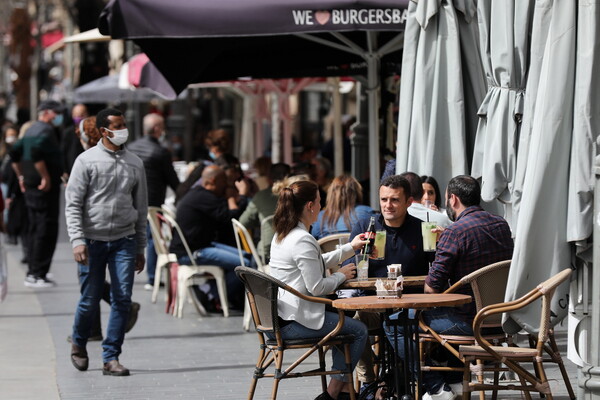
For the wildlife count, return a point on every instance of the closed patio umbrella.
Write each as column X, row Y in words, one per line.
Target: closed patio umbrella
column 442, row 85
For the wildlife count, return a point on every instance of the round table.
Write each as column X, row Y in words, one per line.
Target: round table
column 386, row 306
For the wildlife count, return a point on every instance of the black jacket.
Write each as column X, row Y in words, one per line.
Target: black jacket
column 158, row 166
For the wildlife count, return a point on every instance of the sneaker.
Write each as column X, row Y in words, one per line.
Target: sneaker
column 40, row 283
column 29, row 280
column 148, row 286
column 441, row 395
column 457, row 388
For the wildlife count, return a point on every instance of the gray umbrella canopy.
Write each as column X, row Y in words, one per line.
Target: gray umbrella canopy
column 504, row 41
column 553, row 184
column 208, row 41
column 441, row 89
column 107, row 90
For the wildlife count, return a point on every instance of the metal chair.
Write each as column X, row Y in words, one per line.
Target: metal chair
column 262, row 291
column 512, row 356
column 161, row 245
column 488, row 285
column 329, row 243
column 187, row 273
column 245, row 243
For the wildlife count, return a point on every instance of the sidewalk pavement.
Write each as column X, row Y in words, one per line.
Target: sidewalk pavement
column 189, row 358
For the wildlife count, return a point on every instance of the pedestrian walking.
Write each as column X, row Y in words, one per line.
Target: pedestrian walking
column 106, row 207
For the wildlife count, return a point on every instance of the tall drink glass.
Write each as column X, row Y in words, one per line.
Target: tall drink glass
column 362, row 267
column 380, row 244
column 429, row 238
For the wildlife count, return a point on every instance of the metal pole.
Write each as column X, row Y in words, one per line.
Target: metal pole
column 588, row 377
column 373, row 62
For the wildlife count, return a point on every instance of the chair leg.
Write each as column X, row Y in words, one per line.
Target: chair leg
column 322, row 367
column 466, row 380
column 480, row 378
column 348, row 359
column 558, row 359
column 222, row 289
column 157, row 277
column 247, row 316
column 278, row 367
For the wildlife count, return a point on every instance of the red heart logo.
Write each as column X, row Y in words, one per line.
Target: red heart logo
column 322, row 17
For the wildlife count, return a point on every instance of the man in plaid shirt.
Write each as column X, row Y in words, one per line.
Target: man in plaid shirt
column 475, row 239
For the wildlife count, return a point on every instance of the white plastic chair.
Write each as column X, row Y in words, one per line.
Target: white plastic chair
column 266, row 221
column 161, row 246
column 245, row 243
column 187, row 273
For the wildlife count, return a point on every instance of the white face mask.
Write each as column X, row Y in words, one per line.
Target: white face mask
column 119, row 137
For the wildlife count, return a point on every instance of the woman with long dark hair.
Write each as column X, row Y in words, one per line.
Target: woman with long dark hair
column 296, row 260
column 431, row 193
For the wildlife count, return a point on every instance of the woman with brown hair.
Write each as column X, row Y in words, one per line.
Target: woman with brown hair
column 343, row 208
column 296, row 260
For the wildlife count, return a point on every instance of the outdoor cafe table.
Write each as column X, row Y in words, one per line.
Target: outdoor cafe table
column 369, row 284
column 386, row 306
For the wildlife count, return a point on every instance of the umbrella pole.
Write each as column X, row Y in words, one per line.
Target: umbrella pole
column 589, row 375
column 373, row 64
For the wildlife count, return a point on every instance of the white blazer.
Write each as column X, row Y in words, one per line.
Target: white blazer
column 298, row 262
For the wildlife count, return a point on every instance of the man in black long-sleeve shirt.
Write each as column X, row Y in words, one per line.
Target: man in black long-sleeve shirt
column 159, row 174
column 204, row 215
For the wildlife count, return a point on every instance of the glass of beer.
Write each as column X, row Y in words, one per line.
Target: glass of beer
column 362, row 267
column 380, row 244
column 429, row 238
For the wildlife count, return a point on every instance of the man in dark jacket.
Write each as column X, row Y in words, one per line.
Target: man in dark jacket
column 159, row 174
column 204, row 215
column 37, row 163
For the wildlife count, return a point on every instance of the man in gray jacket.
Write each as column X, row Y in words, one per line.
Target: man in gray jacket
column 106, row 207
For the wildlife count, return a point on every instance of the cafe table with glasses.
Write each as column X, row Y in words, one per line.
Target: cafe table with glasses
column 387, row 306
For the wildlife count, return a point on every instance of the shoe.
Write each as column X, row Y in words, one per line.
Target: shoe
column 79, row 357
column 148, row 286
column 93, row 338
column 211, row 306
column 457, row 388
column 114, row 368
column 39, row 283
column 324, row 396
column 133, row 315
column 29, row 280
column 441, row 395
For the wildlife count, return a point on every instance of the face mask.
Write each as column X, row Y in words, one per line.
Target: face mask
column 84, row 136
column 58, row 120
column 77, row 120
column 212, row 155
column 10, row 139
column 119, row 137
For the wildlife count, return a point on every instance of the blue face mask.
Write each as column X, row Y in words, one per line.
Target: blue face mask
column 58, row 120
column 212, row 155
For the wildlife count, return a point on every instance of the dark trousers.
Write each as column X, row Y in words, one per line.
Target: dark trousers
column 42, row 211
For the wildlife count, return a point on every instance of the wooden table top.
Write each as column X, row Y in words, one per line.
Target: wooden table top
column 370, row 282
column 409, row 300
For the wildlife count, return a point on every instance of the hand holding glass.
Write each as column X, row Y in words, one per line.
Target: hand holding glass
column 429, row 237
column 362, row 267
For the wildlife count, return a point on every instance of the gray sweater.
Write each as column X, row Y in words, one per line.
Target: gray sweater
column 106, row 197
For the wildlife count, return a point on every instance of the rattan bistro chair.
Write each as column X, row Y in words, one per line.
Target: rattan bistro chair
column 262, row 291
column 488, row 285
column 512, row 357
column 329, row 243
column 244, row 242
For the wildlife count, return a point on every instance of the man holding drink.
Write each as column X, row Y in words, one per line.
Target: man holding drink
column 475, row 239
column 403, row 245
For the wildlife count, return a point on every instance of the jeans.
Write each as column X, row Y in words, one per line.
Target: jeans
column 295, row 330
column 226, row 257
column 151, row 256
column 443, row 320
column 120, row 255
